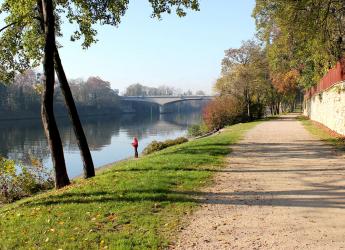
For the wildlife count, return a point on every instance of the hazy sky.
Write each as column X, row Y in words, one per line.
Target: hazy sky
column 180, row 52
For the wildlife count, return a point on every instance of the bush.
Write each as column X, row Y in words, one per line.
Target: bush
column 159, row 145
column 197, row 130
column 18, row 181
column 223, row 111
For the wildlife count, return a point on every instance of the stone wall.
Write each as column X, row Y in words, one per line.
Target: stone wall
column 328, row 108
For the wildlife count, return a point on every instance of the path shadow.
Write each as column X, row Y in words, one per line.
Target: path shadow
column 320, row 196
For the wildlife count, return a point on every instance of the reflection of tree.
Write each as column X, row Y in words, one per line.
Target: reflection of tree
column 24, row 138
column 163, row 124
column 182, row 119
column 98, row 130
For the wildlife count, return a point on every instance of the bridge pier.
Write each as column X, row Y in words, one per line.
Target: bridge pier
column 163, row 109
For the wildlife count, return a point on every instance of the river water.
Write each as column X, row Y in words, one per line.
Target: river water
column 109, row 137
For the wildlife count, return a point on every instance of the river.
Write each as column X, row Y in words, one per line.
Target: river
column 109, row 137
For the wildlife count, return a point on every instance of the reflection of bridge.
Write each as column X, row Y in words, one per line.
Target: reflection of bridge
column 164, row 100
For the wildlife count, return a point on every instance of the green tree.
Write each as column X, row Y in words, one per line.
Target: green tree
column 29, row 36
column 307, row 36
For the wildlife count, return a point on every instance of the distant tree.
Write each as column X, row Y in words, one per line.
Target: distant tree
column 245, row 76
column 200, row 92
column 188, row 93
column 141, row 90
column 287, row 85
column 165, row 90
column 100, row 91
column 22, row 99
column 135, row 90
column 24, row 83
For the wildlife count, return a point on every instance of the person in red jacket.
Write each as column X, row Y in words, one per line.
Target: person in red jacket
column 135, row 145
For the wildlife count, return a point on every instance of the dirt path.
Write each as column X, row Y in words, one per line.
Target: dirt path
column 283, row 190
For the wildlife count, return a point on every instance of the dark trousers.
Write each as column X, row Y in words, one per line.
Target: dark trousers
column 135, row 152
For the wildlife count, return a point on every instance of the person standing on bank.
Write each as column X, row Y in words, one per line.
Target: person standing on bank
column 135, row 145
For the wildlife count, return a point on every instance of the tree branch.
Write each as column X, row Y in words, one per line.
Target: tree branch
column 7, row 26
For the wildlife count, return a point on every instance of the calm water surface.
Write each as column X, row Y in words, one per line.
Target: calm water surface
column 109, row 138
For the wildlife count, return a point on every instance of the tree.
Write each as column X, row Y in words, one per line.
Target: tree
column 141, row 90
column 135, row 90
column 23, row 45
column 88, row 166
column 200, row 92
column 307, row 36
column 224, row 110
column 245, row 76
column 286, row 84
column 49, row 123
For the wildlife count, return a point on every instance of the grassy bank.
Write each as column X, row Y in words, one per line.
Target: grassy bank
column 323, row 133
column 136, row 204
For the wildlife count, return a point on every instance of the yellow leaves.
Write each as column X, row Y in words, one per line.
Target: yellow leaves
column 102, row 245
column 35, row 210
column 285, row 82
column 7, row 167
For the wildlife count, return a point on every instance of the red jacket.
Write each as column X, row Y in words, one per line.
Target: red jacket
column 135, row 142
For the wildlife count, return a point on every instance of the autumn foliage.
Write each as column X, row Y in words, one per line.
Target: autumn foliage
column 222, row 111
column 286, row 83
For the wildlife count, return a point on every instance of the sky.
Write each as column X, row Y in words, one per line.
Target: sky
column 184, row 53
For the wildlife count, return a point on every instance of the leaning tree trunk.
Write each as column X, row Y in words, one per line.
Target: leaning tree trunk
column 47, row 110
column 89, row 170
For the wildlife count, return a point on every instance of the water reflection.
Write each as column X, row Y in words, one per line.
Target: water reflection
column 109, row 137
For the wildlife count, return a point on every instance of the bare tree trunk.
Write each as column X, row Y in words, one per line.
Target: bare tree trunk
column 47, row 110
column 89, row 170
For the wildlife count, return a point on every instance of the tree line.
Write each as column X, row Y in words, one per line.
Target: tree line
column 245, row 89
column 94, row 96
column 296, row 43
column 303, row 39
column 141, row 90
column 22, row 97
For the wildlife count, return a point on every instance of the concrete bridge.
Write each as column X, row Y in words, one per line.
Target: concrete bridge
column 162, row 101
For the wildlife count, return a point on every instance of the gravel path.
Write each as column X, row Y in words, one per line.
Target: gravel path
column 283, row 189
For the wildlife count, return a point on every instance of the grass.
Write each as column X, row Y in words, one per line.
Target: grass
column 323, row 133
column 136, row 204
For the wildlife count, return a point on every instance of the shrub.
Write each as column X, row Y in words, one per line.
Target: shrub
column 224, row 110
column 18, row 181
column 197, row 130
column 159, row 145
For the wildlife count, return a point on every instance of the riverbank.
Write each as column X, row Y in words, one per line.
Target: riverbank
column 133, row 204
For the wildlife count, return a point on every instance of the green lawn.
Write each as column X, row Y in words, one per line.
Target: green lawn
column 136, row 204
column 322, row 134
